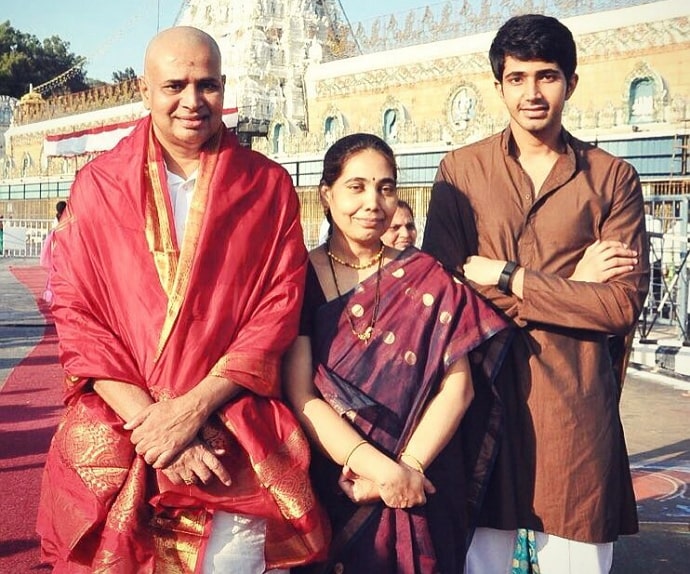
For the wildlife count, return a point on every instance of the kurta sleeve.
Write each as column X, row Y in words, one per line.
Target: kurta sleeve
column 450, row 234
column 611, row 307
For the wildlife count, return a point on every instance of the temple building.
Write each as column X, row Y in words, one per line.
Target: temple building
column 299, row 76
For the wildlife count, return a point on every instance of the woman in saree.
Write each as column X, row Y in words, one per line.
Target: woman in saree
column 380, row 378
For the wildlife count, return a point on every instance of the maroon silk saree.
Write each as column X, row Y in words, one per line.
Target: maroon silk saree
column 427, row 321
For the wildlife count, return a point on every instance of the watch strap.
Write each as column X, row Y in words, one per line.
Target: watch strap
column 505, row 277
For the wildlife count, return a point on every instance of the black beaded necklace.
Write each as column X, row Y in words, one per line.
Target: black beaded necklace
column 365, row 335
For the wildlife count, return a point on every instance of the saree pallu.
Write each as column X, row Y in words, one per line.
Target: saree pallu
column 132, row 305
column 427, row 321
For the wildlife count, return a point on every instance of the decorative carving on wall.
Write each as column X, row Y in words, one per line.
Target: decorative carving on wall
column 650, row 108
column 279, row 130
column 459, row 18
column 393, row 119
column 463, row 106
column 404, row 75
column 333, row 126
column 572, row 117
column 679, row 110
column 103, row 97
column 274, row 84
column 637, row 39
column 266, row 46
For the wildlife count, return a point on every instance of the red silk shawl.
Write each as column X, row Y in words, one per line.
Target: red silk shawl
column 131, row 305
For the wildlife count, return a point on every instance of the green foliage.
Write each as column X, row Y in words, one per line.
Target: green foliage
column 124, row 75
column 25, row 61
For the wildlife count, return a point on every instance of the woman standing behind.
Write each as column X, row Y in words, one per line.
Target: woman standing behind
column 402, row 232
column 46, row 259
column 380, row 377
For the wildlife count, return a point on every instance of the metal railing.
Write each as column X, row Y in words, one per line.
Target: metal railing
column 667, row 216
column 666, row 219
column 23, row 237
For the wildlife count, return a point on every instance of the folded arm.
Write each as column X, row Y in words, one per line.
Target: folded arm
column 369, row 473
column 160, row 430
column 395, row 483
column 591, row 298
column 182, row 460
column 605, row 291
column 442, row 415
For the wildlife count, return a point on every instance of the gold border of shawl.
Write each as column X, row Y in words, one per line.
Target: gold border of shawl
column 175, row 271
column 159, row 231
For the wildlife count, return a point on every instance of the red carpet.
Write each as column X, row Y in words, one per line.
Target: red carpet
column 30, row 406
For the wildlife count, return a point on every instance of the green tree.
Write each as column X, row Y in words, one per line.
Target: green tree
column 124, row 75
column 26, row 61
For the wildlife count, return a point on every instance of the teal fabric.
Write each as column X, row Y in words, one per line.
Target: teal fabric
column 525, row 555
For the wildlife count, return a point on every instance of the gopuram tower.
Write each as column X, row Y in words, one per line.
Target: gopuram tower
column 266, row 46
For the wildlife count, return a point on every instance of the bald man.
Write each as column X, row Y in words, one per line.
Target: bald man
column 173, row 306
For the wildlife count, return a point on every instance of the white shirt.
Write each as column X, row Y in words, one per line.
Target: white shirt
column 181, row 193
column 323, row 231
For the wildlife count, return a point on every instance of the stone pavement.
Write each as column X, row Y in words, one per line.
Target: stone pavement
column 655, row 409
column 21, row 325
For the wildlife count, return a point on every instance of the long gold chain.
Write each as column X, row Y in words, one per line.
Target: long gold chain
column 365, row 335
column 359, row 266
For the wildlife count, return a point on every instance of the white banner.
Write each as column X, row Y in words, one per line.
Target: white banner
column 103, row 138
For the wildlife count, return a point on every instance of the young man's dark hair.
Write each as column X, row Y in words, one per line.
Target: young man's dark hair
column 533, row 37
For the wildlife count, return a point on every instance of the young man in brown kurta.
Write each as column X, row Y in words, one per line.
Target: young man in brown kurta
column 551, row 230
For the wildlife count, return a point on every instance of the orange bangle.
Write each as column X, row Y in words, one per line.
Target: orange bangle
column 354, row 448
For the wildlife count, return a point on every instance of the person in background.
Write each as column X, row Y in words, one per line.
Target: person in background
column 380, row 378
column 173, row 307
column 402, row 232
column 60, row 207
column 46, row 257
column 551, row 230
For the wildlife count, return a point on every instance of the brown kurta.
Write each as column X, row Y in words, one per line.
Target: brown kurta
column 562, row 466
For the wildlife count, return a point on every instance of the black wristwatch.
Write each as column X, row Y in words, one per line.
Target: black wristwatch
column 505, row 277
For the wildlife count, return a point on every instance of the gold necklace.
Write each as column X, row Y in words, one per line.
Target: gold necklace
column 365, row 335
column 359, row 266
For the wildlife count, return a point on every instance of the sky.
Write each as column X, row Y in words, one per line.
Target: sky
column 112, row 34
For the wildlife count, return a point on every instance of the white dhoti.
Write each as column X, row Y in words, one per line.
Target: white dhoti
column 491, row 552
column 236, row 545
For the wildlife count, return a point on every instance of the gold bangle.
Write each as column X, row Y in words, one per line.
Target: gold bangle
column 354, row 448
column 418, row 466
